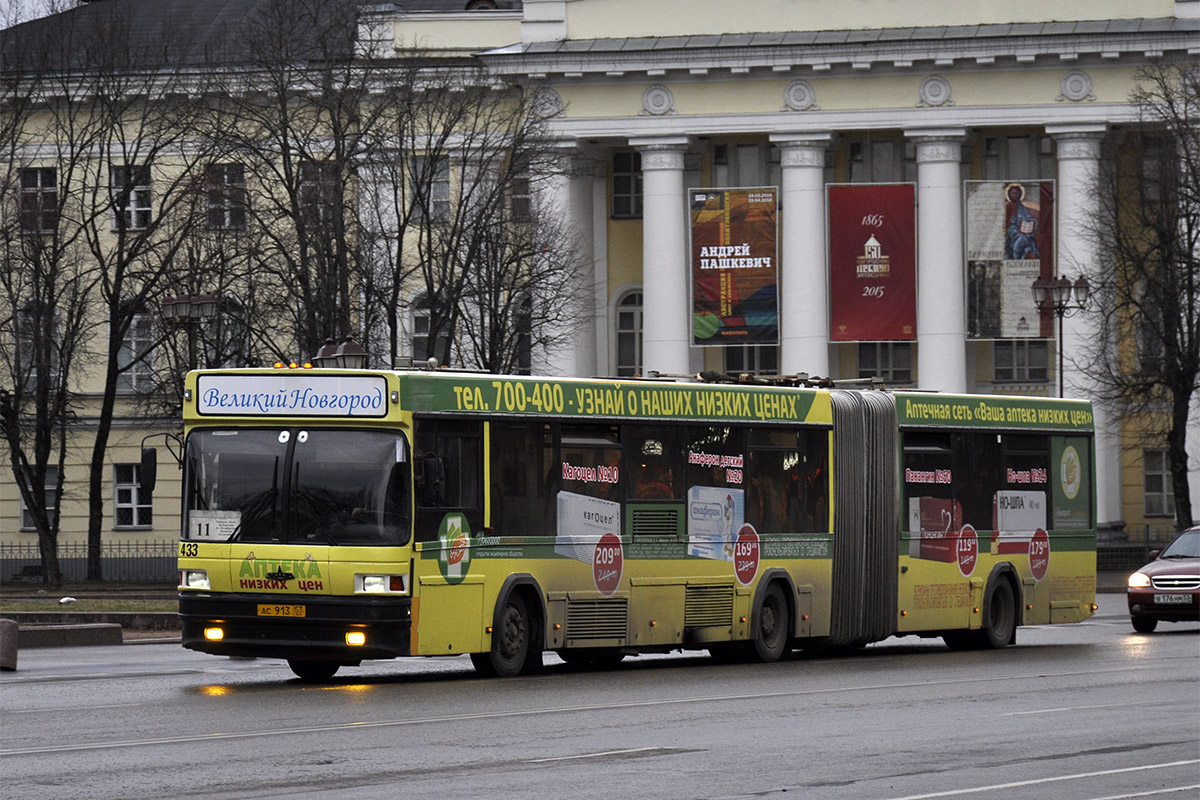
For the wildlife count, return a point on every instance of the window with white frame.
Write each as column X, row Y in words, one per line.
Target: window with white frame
column 430, row 187
column 520, row 199
column 751, row 360
column 38, row 201
column 627, row 185
column 131, row 196
column 132, row 505
column 1020, row 361
column 629, row 335
column 225, row 189
column 1159, row 488
column 890, row 362
column 136, row 357
column 27, row 523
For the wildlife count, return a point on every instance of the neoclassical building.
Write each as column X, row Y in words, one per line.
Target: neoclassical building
column 656, row 99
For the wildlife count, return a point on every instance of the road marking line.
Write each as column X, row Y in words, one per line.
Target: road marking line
column 1056, row 779
column 1066, row 708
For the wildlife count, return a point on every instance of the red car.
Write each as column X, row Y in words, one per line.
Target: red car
column 1168, row 588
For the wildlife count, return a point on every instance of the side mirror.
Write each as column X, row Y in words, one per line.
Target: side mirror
column 1153, row 555
column 431, row 479
column 148, row 471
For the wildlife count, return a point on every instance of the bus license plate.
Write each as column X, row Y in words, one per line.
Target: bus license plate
column 280, row 611
column 1172, row 599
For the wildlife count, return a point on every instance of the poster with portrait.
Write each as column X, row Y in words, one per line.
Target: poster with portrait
column 872, row 262
column 734, row 266
column 1009, row 244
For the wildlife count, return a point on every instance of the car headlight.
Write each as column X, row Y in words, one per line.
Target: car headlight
column 1139, row 580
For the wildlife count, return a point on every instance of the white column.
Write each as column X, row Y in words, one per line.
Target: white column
column 804, row 275
column 665, row 284
column 941, row 293
column 1078, row 149
column 568, row 195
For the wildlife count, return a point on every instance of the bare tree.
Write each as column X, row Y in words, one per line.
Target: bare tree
column 1148, row 290
column 115, row 120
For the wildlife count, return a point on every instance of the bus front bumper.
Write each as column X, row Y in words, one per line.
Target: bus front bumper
column 238, row 625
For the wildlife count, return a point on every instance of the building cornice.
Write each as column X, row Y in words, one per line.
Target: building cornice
column 852, row 52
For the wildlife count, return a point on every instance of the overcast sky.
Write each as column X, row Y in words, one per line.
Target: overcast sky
column 14, row 11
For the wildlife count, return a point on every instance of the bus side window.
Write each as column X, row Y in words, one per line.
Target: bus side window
column 591, row 461
column 787, row 481
column 521, row 478
column 977, row 477
column 1025, row 478
column 652, row 453
column 927, row 473
column 451, row 451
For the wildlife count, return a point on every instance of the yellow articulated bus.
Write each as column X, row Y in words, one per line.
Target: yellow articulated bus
column 333, row 516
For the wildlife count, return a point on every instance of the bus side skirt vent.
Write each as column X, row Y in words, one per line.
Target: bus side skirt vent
column 591, row 620
column 707, row 606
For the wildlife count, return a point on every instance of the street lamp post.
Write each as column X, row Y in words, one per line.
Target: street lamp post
column 347, row 355
column 1055, row 295
column 189, row 312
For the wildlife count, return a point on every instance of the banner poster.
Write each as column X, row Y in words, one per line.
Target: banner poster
column 872, row 262
column 734, row 266
column 1010, row 243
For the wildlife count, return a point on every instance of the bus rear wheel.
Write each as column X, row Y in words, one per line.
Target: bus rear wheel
column 511, row 642
column 773, row 626
column 1001, row 622
column 313, row 671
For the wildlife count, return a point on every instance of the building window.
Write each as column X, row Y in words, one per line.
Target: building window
column 1018, row 158
column 627, row 185
column 225, row 187
column 320, row 192
column 1020, row 360
column 752, row 360
column 1159, row 489
column 421, row 323
column 51, row 498
column 39, row 200
column 881, row 161
column 890, row 362
column 135, row 357
column 629, row 335
column 133, row 504
column 431, row 188
column 519, row 199
column 38, row 340
column 130, row 187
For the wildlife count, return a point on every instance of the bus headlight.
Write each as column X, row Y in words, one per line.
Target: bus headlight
column 1139, row 580
column 381, row 584
column 194, row 579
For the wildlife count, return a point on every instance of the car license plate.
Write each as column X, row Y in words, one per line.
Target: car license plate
column 1172, row 599
column 280, row 611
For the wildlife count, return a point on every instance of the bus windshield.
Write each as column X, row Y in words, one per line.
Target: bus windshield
column 337, row 487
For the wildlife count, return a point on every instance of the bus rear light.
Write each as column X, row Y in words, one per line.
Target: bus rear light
column 356, row 638
column 214, row 634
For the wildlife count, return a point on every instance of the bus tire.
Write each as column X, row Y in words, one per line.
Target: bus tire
column 772, row 626
column 511, row 641
column 1000, row 624
column 313, row 671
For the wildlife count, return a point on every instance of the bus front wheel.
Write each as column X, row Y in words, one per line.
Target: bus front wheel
column 511, row 642
column 773, row 626
column 313, row 671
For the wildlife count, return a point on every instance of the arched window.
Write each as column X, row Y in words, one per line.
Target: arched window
column 629, row 334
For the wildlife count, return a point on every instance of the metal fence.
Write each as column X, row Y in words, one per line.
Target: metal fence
column 1122, row 555
column 121, row 562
